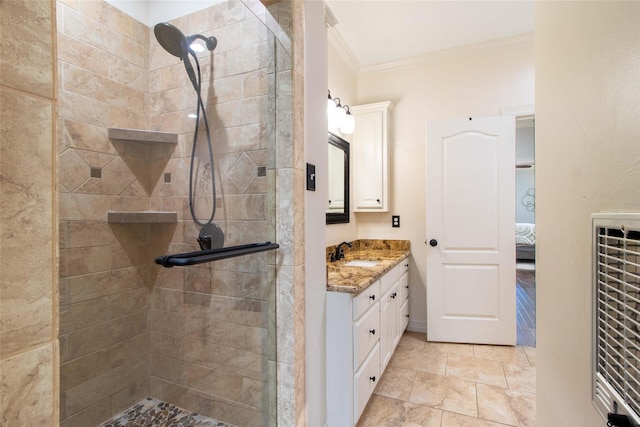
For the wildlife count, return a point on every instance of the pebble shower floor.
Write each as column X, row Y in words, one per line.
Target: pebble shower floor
column 156, row 413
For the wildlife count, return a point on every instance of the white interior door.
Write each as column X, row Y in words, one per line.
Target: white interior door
column 471, row 284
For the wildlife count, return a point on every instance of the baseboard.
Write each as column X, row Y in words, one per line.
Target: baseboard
column 417, row 326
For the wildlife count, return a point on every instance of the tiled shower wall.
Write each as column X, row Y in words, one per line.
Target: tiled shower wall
column 200, row 337
column 28, row 255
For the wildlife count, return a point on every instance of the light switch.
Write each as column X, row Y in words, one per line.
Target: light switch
column 311, row 177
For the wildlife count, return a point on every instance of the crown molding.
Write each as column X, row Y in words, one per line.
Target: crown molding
column 524, row 39
column 337, row 42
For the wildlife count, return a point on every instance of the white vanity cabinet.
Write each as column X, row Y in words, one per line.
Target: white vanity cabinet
column 369, row 154
column 362, row 333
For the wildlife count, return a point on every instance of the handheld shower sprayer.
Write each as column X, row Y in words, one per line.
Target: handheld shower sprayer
column 179, row 45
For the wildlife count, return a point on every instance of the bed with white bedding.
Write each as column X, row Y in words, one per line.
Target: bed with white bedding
column 525, row 240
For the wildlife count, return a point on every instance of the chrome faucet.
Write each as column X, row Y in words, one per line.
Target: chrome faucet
column 339, row 254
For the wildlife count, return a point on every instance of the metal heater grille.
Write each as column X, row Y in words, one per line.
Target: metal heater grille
column 617, row 314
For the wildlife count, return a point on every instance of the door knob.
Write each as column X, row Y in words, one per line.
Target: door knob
column 433, row 242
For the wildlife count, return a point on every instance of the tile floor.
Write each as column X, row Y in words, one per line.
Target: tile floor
column 454, row 385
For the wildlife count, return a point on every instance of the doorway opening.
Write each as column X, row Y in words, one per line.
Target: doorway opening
column 525, row 231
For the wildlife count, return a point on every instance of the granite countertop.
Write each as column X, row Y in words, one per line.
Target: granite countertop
column 388, row 253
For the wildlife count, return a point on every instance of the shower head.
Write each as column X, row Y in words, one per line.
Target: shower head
column 176, row 43
column 171, row 39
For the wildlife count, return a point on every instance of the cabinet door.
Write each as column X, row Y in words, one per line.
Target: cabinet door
column 404, row 316
column 370, row 141
column 389, row 325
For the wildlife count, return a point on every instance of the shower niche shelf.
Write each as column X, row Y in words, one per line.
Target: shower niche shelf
column 137, row 135
column 141, row 217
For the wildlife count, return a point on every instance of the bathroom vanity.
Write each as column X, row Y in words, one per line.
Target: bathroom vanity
column 367, row 312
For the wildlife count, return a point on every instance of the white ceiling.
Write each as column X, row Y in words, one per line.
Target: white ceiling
column 384, row 31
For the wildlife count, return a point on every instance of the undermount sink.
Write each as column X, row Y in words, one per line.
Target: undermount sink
column 361, row 263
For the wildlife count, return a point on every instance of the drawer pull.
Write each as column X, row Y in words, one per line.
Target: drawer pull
column 372, row 297
column 373, row 379
column 407, row 265
column 372, row 331
column 407, row 286
column 406, row 315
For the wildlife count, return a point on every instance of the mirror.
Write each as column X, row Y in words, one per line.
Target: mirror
column 338, row 172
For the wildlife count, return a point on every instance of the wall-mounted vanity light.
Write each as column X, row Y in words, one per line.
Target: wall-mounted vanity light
column 339, row 116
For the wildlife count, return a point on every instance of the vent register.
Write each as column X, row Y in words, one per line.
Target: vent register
column 616, row 319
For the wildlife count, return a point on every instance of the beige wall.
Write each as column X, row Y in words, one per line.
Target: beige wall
column 28, row 215
column 343, row 83
column 587, row 160
column 466, row 82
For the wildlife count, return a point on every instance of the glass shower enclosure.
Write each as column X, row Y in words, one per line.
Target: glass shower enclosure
column 197, row 343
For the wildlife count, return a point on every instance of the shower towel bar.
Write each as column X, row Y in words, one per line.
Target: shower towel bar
column 200, row 257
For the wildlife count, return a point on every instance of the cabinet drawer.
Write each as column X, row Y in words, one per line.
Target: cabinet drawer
column 403, row 288
column 366, row 299
column 366, row 332
column 364, row 381
column 390, row 278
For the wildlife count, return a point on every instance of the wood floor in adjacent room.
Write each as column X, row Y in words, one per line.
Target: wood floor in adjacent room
column 526, row 303
column 461, row 385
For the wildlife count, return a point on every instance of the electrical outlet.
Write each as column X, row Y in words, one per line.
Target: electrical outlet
column 395, row 221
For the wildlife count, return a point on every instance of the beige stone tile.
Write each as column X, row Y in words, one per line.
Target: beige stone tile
column 81, row 54
column 237, row 414
column 413, row 339
column 129, row 302
column 447, row 393
column 88, row 260
column 244, row 363
column 26, row 387
column 96, row 10
column 215, row 382
column 27, row 24
column 386, row 412
column 531, row 355
column 512, row 407
column 89, row 233
column 450, row 419
column 396, row 383
column 520, row 377
column 254, row 393
column 451, row 348
column 102, row 335
column 80, row 108
column 77, row 371
column 93, row 391
column 120, row 353
column 130, row 119
column 91, row 416
column 73, row 170
column 86, row 137
column 169, row 369
column 181, row 396
column 93, row 86
column 27, row 207
column 433, row 362
column 122, row 23
column 130, row 395
column 83, row 314
column 507, row 354
column 86, row 287
column 475, row 369
column 26, row 315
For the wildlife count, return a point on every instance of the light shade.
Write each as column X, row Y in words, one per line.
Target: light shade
column 348, row 123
